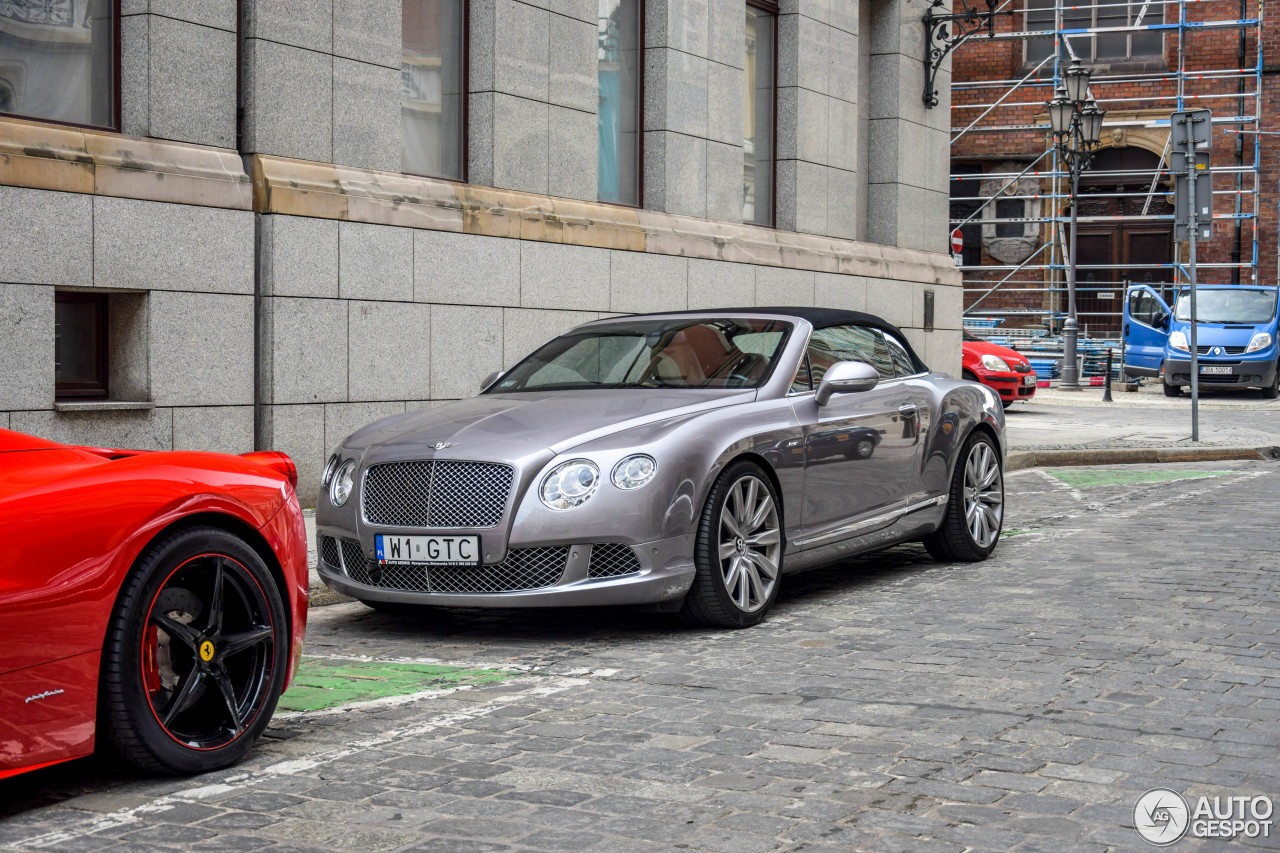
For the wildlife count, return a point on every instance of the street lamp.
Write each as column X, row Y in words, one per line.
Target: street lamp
column 1076, row 122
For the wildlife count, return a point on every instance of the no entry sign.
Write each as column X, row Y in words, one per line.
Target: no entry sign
column 957, row 242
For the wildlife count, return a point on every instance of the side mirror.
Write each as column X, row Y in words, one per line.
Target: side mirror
column 489, row 380
column 844, row 377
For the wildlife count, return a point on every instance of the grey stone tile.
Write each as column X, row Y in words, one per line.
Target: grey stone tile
column 717, row 284
column 46, row 237
column 299, row 432
column 480, row 128
column 725, row 104
column 526, row 329
column 724, row 182
column 803, row 47
column 521, row 50
column 465, row 269
column 572, row 153
column 201, row 349
column 553, row 275
column 675, row 92
column 146, row 429
column 300, row 23
column 210, row 13
column 686, row 26
column 842, row 135
column 520, row 147
column 191, row 93
column 727, row 36
column 778, row 286
column 842, row 204
column 894, row 304
column 300, row 256
column 219, row 429
column 135, row 66
column 342, row 419
column 466, row 346
column 156, row 245
column 573, row 63
column 810, row 198
column 306, row 350
column 682, row 162
column 375, row 261
column 389, row 355
column 27, row 359
column 289, row 109
column 832, row 290
column 842, row 65
column 368, row 31
column 642, row 282
column 366, row 115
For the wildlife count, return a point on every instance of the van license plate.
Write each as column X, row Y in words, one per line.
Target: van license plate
column 429, row 550
column 1215, row 368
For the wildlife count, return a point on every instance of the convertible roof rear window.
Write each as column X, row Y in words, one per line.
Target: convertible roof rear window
column 670, row 353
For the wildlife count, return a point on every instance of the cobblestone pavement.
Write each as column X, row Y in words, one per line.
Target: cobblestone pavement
column 1126, row 636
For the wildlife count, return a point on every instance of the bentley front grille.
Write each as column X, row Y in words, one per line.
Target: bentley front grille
column 524, row 569
column 612, row 560
column 329, row 553
column 434, row 493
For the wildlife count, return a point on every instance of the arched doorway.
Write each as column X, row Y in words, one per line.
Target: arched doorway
column 1113, row 250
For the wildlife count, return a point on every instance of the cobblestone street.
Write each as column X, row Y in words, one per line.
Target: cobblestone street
column 1125, row 636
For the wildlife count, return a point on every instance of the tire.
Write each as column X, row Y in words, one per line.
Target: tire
column 738, row 552
column 195, row 654
column 1273, row 390
column 1172, row 390
column 959, row 538
column 969, row 375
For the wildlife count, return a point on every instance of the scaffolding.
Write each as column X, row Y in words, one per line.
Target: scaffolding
column 1000, row 292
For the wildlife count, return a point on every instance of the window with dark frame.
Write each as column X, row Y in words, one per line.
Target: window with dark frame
column 759, row 119
column 59, row 61
column 620, row 76
column 965, row 202
column 433, row 100
column 80, row 345
column 1010, row 209
column 1091, row 14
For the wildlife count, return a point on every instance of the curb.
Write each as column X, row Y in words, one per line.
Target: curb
column 1019, row 460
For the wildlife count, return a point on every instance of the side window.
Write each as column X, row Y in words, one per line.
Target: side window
column 902, row 363
column 848, row 343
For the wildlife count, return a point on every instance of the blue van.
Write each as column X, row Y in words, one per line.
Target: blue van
column 1235, row 338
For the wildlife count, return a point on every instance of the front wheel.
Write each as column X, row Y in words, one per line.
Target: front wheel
column 975, row 506
column 738, row 553
column 195, row 654
column 1172, row 390
column 1273, row 390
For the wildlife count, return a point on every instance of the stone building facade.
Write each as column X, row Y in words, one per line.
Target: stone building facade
column 228, row 250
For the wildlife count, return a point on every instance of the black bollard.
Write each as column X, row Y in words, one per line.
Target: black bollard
column 1106, row 393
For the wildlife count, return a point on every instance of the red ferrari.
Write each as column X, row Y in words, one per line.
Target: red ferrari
column 1001, row 369
column 151, row 602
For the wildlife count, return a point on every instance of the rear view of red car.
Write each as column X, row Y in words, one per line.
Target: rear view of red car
column 154, row 603
column 1003, row 370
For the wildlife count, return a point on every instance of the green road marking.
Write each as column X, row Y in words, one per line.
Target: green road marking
column 1008, row 534
column 326, row 683
column 1083, row 479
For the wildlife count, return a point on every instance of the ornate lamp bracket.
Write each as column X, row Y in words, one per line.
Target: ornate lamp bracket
column 967, row 20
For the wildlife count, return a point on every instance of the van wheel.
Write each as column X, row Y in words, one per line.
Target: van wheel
column 1273, row 390
column 1172, row 390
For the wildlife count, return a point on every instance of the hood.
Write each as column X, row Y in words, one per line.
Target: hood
column 977, row 349
column 1219, row 334
column 502, row 426
column 10, row 441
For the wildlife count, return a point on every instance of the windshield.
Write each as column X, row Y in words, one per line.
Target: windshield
column 716, row 353
column 1237, row 305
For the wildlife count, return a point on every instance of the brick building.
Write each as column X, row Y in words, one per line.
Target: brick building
column 1218, row 54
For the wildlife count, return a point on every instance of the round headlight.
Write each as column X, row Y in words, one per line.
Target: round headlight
column 570, row 485
column 634, row 471
column 996, row 363
column 329, row 468
column 340, row 490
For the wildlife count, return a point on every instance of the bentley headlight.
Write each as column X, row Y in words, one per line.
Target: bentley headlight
column 1260, row 341
column 1178, row 341
column 995, row 363
column 340, row 489
column 570, row 484
column 329, row 468
column 634, row 471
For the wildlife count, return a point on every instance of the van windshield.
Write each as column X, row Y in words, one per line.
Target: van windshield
column 1237, row 305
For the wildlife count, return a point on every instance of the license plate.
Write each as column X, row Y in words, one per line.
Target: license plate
column 429, row 550
column 1215, row 368
column 1029, row 379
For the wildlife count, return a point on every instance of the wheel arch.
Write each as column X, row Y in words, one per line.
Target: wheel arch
column 763, row 464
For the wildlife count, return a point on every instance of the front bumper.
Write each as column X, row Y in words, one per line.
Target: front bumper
column 1010, row 386
column 1245, row 373
column 651, row 573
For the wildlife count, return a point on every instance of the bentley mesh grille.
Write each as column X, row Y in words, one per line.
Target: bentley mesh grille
column 524, row 569
column 436, row 493
column 329, row 553
column 612, row 560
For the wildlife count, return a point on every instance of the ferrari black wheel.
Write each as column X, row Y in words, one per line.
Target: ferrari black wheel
column 195, row 654
column 975, row 506
column 738, row 552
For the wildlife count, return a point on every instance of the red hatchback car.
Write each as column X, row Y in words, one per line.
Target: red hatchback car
column 152, row 602
column 1003, row 370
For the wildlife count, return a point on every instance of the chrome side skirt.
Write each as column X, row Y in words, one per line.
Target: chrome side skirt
column 867, row 523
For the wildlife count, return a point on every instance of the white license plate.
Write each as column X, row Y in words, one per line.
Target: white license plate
column 1215, row 368
column 1029, row 379
column 429, row 550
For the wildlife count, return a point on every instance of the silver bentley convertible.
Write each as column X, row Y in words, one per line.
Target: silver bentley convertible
column 684, row 461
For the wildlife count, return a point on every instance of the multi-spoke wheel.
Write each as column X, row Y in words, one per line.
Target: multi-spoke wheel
column 739, row 551
column 975, row 508
column 195, row 654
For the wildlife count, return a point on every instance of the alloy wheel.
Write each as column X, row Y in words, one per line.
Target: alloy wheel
column 750, row 543
column 983, row 494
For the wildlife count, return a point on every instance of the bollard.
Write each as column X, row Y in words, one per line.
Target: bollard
column 1106, row 384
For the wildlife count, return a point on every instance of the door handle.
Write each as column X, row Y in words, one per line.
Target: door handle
column 1126, row 328
column 908, row 411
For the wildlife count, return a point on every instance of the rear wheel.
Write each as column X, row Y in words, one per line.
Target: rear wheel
column 195, row 654
column 975, row 506
column 738, row 553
